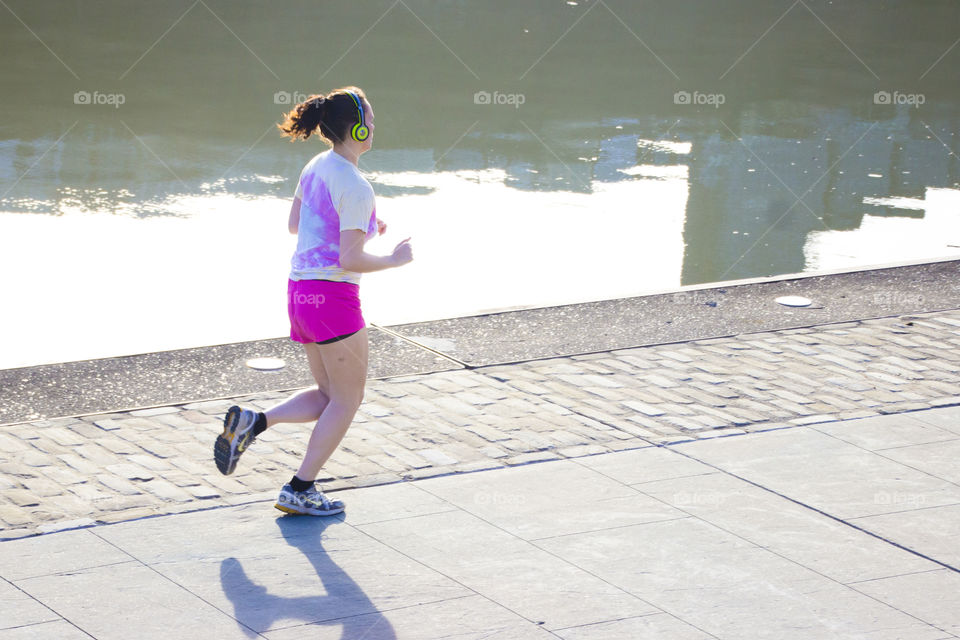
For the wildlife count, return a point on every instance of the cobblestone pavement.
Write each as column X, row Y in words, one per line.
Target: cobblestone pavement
column 72, row 472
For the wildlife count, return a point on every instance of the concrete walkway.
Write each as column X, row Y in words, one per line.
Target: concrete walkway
column 835, row 530
column 70, row 472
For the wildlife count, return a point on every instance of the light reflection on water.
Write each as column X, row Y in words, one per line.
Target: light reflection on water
column 133, row 229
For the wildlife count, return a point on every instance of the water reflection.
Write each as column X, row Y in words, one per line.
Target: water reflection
column 600, row 185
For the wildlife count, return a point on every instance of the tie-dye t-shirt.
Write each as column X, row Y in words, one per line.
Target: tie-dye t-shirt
column 334, row 196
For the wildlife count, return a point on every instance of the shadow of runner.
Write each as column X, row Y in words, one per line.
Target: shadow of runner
column 255, row 608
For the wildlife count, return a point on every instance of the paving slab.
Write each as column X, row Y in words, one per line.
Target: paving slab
column 59, row 629
column 21, row 610
column 525, row 500
column 129, row 599
column 947, row 418
column 652, row 627
column 887, row 432
column 802, row 535
column 271, row 571
column 469, row 618
column 540, row 586
column 932, row 531
column 729, row 587
column 940, row 459
column 929, row 595
column 824, row 472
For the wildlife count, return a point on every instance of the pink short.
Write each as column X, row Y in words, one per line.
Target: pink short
column 321, row 310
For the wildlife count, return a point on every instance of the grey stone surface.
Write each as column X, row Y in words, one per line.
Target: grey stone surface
column 734, row 589
column 59, row 629
column 932, row 531
column 887, row 432
column 469, row 618
column 426, row 559
column 824, row 472
column 65, row 552
column 648, row 464
column 525, row 501
column 514, row 573
column 272, row 571
column 20, row 610
column 144, row 380
column 69, row 472
column 929, row 595
column 828, row 547
column 655, row 626
column 690, row 315
column 940, row 459
column 121, row 601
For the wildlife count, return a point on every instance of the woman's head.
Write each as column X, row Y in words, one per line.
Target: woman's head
column 332, row 116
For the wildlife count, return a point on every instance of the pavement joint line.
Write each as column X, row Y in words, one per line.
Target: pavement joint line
column 878, row 452
column 745, row 539
column 359, row 528
column 176, row 584
column 422, row 346
column 475, row 367
column 820, row 511
column 533, row 544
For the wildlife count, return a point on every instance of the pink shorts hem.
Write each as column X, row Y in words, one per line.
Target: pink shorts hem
column 320, row 309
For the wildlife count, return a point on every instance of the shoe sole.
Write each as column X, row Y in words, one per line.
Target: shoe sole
column 296, row 512
column 223, row 448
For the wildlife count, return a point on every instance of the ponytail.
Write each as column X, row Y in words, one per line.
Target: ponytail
column 304, row 118
column 334, row 114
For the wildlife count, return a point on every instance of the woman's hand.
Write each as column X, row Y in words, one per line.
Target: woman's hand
column 402, row 253
column 381, row 227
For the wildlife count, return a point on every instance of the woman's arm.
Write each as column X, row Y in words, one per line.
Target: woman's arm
column 294, row 223
column 354, row 258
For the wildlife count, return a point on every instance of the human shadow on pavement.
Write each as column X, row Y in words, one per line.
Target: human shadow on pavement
column 255, row 608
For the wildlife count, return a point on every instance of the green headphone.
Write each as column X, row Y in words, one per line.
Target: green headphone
column 360, row 132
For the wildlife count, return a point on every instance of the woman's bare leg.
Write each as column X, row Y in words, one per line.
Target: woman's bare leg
column 345, row 365
column 306, row 405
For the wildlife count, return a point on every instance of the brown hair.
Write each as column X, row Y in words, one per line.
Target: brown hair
column 335, row 114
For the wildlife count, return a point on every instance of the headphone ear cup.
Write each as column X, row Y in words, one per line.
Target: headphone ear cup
column 360, row 132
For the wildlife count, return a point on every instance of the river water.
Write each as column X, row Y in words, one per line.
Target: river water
column 537, row 152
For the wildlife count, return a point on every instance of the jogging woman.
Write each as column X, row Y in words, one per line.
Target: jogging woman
column 333, row 215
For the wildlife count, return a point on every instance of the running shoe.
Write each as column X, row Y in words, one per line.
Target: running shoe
column 236, row 437
column 311, row 502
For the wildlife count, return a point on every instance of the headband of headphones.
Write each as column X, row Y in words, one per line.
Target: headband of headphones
column 359, row 132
